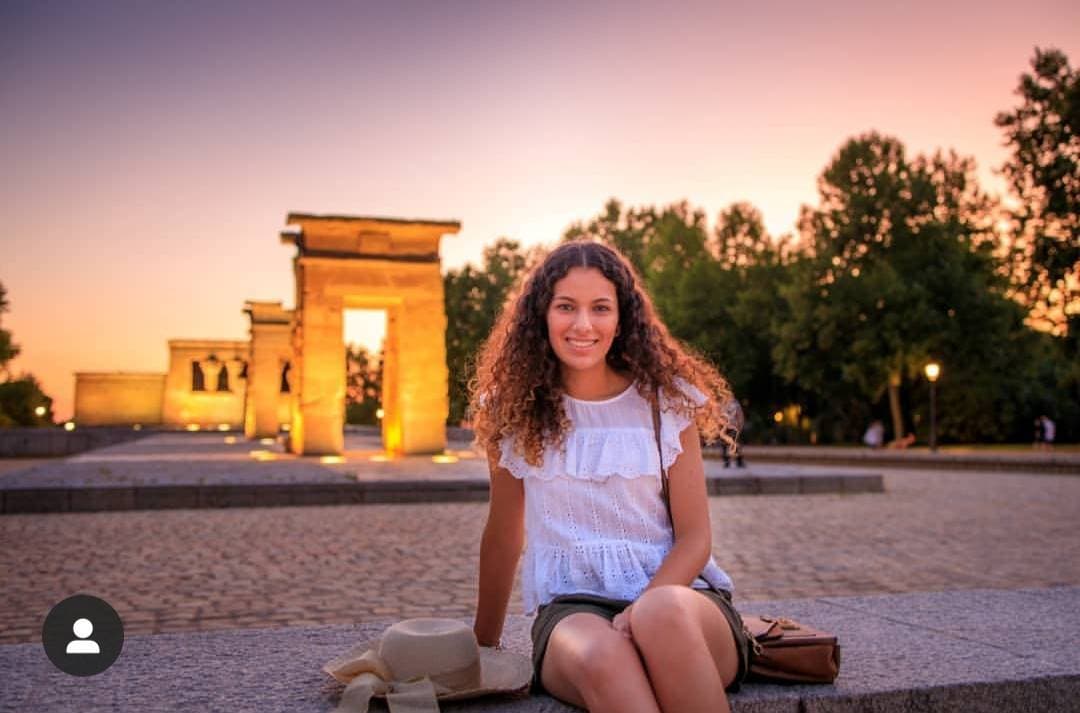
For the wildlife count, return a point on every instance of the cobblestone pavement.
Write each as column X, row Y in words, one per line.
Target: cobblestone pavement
column 183, row 570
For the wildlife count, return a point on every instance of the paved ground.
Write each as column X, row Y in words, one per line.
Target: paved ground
column 198, row 459
column 11, row 465
column 182, row 470
column 185, row 570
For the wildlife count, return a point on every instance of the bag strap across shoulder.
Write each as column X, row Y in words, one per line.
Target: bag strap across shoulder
column 660, row 452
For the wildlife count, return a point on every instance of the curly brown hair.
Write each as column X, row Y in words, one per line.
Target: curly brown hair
column 517, row 389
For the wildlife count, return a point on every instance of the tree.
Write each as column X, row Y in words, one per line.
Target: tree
column 677, row 242
column 474, row 298
column 19, row 400
column 363, row 385
column 759, row 264
column 740, row 240
column 1044, row 172
column 862, row 191
column 899, row 268
column 628, row 232
column 8, row 349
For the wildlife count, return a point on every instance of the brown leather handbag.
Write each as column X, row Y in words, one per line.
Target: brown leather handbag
column 785, row 651
column 782, row 650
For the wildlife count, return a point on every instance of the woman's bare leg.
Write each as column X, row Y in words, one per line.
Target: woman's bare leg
column 688, row 648
column 590, row 665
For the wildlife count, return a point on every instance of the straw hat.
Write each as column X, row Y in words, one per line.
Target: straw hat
column 419, row 661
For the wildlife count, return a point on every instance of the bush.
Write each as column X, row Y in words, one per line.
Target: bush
column 18, row 400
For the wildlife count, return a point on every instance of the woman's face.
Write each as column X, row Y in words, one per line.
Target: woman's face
column 583, row 318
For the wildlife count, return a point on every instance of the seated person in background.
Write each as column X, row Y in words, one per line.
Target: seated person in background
column 903, row 442
column 875, row 434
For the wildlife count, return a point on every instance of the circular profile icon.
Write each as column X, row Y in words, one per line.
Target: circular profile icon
column 82, row 635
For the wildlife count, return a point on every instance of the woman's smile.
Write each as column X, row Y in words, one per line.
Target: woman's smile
column 583, row 344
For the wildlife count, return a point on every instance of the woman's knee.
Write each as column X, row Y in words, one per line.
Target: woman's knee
column 666, row 613
column 607, row 659
column 678, row 620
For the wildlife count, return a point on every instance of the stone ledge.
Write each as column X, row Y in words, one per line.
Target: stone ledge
column 162, row 497
column 56, row 442
column 1047, row 462
column 977, row 650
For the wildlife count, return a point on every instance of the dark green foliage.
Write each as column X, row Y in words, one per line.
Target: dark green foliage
column 900, row 270
column 18, row 400
column 474, row 299
column 8, row 349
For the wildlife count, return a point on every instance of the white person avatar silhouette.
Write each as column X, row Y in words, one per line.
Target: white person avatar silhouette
column 83, row 645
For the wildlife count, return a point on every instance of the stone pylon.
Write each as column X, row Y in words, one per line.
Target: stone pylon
column 267, row 403
column 345, row 262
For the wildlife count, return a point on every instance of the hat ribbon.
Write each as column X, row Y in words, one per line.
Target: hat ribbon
column 414, row 696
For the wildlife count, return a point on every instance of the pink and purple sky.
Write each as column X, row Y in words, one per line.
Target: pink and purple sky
column 152, row 150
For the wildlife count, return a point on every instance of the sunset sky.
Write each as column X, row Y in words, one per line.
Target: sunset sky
column 153, row 149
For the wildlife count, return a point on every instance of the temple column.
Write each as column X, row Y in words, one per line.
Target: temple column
column 270, row 348
column 319, row 378
column 391, row 421
column 422, row 398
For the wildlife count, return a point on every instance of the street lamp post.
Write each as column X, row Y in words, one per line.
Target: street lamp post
column 933, row 371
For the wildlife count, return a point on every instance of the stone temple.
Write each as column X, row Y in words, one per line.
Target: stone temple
column 289, row 374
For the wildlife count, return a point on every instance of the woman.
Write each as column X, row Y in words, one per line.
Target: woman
column 632, row 612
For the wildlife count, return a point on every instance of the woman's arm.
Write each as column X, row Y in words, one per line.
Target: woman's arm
column 690, row 510
column 689, row 499
column 500, row 550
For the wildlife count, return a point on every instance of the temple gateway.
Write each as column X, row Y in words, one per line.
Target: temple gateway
column 290, row 372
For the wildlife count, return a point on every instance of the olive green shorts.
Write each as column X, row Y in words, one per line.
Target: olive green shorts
column 550, row 614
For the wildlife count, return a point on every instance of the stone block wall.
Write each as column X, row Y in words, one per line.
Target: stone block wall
column 209, row 407
column 118, row 398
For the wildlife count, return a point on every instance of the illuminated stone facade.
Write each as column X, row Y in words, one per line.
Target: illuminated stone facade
column 205, row 388
column 268, row 402
column 369, row 263
column 291, row 371
column 205, row 385
column 118, row 398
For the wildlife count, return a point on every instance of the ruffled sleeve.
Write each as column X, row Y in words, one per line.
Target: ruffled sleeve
column 513, row 461
column 672, row 422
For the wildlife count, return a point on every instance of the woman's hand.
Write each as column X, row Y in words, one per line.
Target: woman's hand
column 621, row 622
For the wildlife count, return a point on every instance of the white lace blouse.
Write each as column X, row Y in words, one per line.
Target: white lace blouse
column 595, row 521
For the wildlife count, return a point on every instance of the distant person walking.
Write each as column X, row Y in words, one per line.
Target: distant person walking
column 734, row 415
column 1049, row 430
